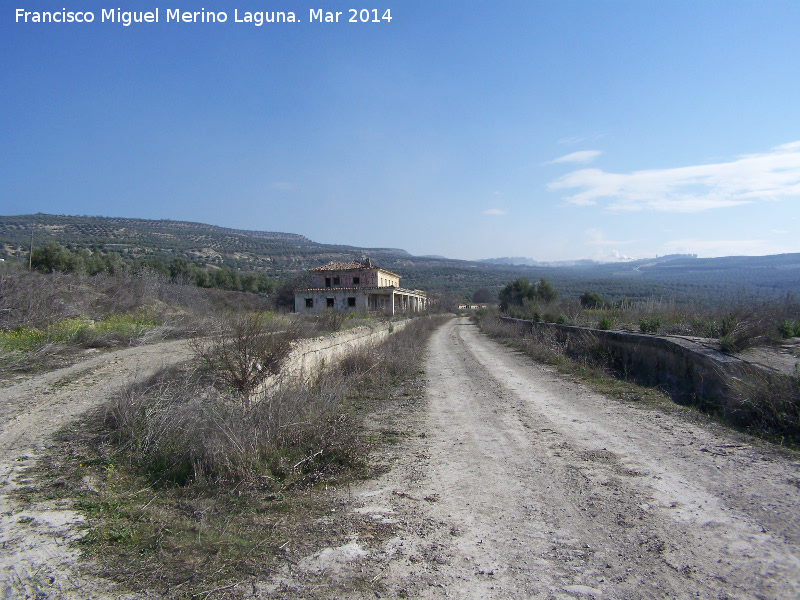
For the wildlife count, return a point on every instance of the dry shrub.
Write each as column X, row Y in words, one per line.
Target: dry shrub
column 331, row 320
column 244, row 350
column 575, row 350
column 30, row 299
column 747, row 326
column 766, row 403
column 179, row 429
column 398, row 356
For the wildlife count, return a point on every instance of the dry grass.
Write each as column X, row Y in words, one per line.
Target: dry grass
column 243, row 350
column 178, row 429
column 191, row 491
column 47, row 320
column 766, row 404
column 742, row 323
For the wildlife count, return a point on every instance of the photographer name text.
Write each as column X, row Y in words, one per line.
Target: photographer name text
column 176, row 15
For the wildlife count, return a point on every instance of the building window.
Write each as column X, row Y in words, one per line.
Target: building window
column 356, row 280
column 327, row 282
column 336, row 281
column 351, row 302
column 330, row 302
column 309, row 303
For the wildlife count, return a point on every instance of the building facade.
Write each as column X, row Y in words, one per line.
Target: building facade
column 357, row 286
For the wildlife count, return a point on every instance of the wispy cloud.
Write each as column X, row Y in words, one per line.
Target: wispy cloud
column 773, row 175
column 282, row 185
column 494, row 211
column 580, row 139
column 583, row 156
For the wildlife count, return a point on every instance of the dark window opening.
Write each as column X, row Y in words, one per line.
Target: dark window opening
column 309, row 303
column 327, row 282
column 331, row 303
column 351, row 302
column 336, row 281
column 356, row 280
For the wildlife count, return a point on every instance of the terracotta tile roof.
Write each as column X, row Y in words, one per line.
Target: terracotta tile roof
column 342, row 266
column 351, row 266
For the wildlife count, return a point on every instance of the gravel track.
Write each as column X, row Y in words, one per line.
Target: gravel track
column 520, row 483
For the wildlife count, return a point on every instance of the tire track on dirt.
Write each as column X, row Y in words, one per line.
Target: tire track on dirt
column 37, row 558
column 525, row 484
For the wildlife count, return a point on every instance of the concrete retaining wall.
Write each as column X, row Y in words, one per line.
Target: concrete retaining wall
column 310, row 355
column 691, row 372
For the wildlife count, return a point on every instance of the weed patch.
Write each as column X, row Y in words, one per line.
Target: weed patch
column 187, row 491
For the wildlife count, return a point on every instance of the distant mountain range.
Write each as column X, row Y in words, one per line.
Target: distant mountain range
column 683, row 276
column 585, row 262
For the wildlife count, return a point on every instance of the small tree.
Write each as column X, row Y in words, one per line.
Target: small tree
column 515, row 293
column 52, row 257
column 246, row 350
column 592, row 300
column 545, row 292
column 482, row 296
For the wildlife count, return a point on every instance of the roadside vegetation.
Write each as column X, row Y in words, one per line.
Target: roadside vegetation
column 49, row 320
column 736, row 323
column 761, row 402
column 188, row 489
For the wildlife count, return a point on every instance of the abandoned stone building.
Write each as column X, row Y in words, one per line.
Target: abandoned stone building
column 357, row 286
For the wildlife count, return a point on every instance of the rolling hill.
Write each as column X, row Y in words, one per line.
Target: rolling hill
column 682, row 277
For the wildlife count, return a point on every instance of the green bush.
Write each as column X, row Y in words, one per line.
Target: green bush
column 605, row 323
column 592, row 300
column 651, row 325
column 789, row 329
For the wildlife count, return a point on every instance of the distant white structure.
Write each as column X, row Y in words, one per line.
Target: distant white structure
column 357, row 285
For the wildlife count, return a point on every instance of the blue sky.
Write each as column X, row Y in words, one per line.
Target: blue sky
column 553, row 130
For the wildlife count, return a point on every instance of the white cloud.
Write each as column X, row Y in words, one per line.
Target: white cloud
column 494, row 211
column 580, row 139
column 583, row 156
column 774, row 175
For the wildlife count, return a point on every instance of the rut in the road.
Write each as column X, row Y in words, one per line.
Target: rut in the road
column 541, row 488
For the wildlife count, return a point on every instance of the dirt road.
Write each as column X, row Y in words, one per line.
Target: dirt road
column 37, row 559
column 520, row 484
column 512, row 482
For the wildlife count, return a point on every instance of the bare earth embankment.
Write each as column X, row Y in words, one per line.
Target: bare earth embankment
column 512, row 483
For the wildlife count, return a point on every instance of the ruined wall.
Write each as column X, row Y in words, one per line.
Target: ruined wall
column 691, row 372
column 309, row 356
column 340, row 300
